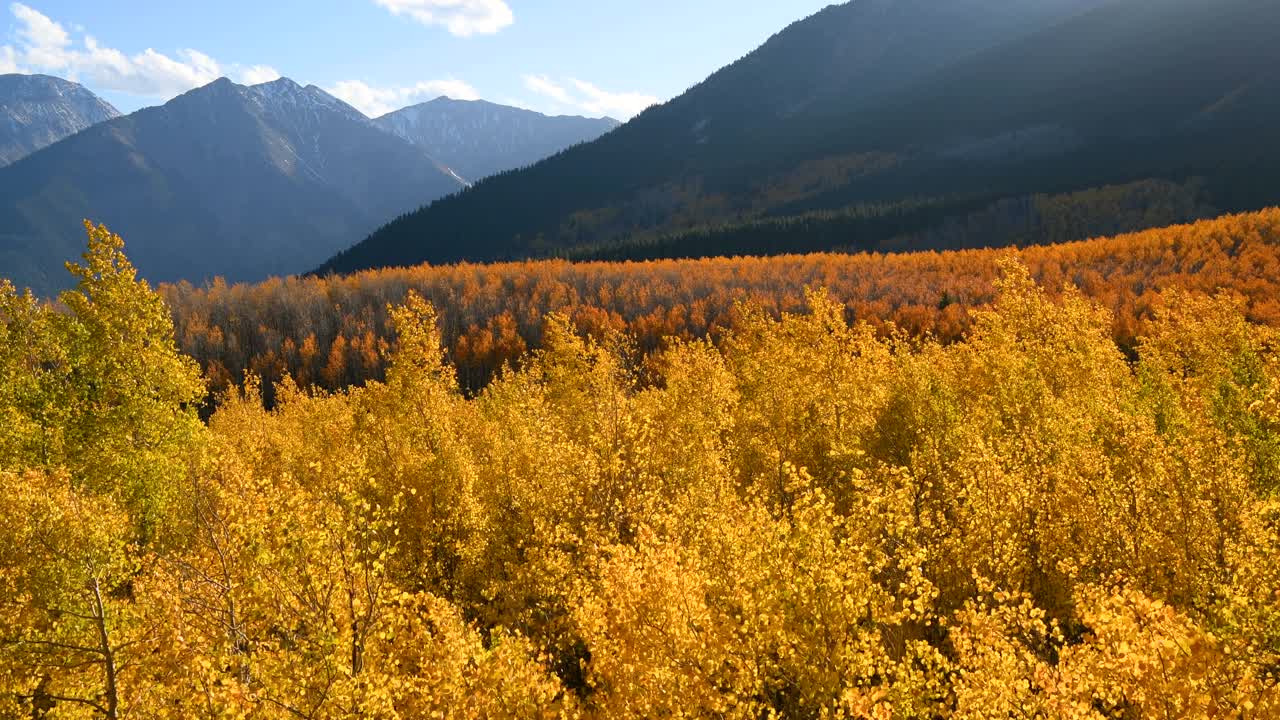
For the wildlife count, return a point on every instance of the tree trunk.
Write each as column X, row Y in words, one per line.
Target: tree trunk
column 112, row 708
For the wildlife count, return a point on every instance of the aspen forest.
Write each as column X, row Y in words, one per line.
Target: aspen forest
column 1037, row 483
column 333, row 332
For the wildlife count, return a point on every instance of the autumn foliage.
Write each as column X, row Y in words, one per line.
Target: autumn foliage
column 333, row 332
column 811, row 518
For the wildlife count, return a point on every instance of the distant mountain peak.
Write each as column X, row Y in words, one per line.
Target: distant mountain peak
column 280, row 82
column 282, row 88
column 478, row 138
column 286, row 88
column 221, row 87
column 219, row 83
column 36, row 85
column 444, row 101
column 282, row 94
column 39, row 110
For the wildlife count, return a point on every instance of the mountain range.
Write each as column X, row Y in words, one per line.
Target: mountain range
column 38, row 110
column 477, row 139
column 915, row 110
column 225, row 180
column 883, row 125
column 233, row 181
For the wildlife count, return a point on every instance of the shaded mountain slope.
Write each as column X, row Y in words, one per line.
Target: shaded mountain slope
column 1072, row 96
column 848, row 54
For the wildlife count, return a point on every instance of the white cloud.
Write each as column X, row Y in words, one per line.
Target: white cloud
column 8, row 61
column 545, row 86
column 258, row 74
column 582, row 96
column 626, row 104
column 463, row 18
column 375, row 101
column 46, row 41
column 44, row 45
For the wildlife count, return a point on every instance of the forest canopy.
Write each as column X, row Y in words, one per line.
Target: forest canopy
column 334, row 332
column 810, row 518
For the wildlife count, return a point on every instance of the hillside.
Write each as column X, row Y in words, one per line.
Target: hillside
column 225, row 180
column 38, row 110
column 1136, row 88
column 1043, row 97
column 477, row 139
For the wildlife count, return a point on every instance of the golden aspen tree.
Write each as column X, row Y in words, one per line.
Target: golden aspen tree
column 413, row 426
column 114, row 400
column 104, row 409
column 28, row 370
column 77, row 639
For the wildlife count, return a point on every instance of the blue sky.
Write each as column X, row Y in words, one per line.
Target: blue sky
column 557, row 56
